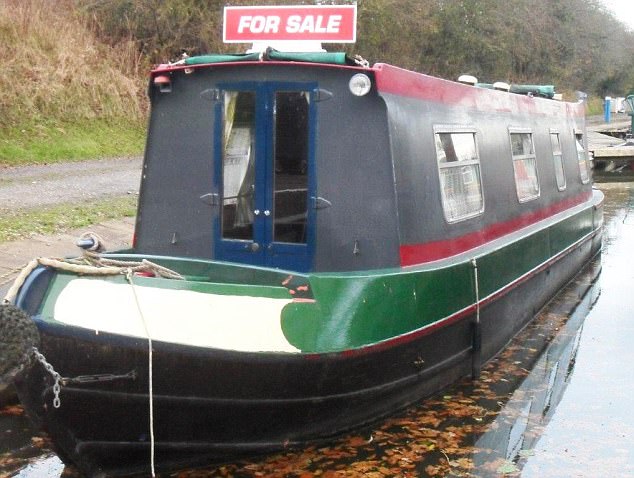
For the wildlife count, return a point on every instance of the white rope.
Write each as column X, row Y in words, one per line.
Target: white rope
column 9, row 276
column 474, row 263
column 90, row 264
column 128, row 276
column 13, row 290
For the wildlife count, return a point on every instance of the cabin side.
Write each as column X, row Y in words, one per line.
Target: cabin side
column 473, row 165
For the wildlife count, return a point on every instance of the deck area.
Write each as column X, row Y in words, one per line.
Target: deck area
column 613, row 156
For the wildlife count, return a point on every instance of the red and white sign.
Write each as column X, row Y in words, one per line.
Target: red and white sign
column 318, row 23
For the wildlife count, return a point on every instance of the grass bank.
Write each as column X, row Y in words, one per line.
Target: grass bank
column 50, row 142
column 65, row 94
column 65, row 217
column 595, row 106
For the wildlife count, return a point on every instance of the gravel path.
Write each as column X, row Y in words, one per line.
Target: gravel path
column 31, row 187
column 27, row 188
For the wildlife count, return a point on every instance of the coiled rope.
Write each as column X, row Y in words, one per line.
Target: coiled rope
column 91, row 263
column 128, row 277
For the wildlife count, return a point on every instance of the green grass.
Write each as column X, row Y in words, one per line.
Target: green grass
column 65, row 217
column 49, row 142
column 595, row 106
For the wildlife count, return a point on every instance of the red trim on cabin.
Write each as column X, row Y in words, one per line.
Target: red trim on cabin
column 167, row 68
column 414, row 254
column 398, row 81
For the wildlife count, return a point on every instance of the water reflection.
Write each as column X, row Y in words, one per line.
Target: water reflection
column 511, row 438
column 556, row 402
column 49, row 466
column 592, row 433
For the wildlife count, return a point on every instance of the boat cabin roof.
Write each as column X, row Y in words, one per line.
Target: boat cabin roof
column 322, row 59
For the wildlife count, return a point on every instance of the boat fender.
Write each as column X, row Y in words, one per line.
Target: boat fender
column 18, row 336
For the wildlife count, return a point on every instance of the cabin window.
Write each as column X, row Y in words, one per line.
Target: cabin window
column 290, row 176
column 524, row 166
column 459, row 169
column 558, row 160
column 238, row 165
column 582, row 157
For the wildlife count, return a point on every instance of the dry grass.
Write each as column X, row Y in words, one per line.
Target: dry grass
column 53, row 68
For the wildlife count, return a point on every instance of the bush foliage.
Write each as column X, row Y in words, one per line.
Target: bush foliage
column 576, row 44
column 55, row 70
column 70, row 64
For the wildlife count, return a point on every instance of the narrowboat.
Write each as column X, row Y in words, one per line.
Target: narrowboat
column 343, row 240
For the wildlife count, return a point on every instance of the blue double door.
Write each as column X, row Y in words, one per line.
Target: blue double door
column 265, row 135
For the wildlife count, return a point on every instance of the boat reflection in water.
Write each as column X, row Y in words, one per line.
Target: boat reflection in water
column 552, row 343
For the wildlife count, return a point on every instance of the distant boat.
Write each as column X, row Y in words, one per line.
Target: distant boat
column 350, row 240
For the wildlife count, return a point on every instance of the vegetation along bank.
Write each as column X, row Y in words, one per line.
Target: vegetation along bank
column 74, row 77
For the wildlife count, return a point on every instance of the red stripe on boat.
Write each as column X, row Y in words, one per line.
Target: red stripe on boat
column 391, row 79
column 414, row 254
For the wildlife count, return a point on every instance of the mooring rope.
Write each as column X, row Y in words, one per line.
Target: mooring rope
column 91, row 263
column 9, row 276
column 128, row 277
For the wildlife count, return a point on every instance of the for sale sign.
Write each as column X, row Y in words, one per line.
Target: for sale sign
column 317, row 23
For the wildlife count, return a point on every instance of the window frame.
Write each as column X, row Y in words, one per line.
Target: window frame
column 524, row 157
column 561, row 156
column 586, row 159
column 458, row 129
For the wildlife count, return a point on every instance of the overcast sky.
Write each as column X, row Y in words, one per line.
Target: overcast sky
column 623, row 9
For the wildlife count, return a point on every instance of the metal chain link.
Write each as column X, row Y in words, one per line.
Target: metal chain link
column 57, row 386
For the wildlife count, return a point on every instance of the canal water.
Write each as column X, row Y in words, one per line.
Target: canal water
column 558, row 402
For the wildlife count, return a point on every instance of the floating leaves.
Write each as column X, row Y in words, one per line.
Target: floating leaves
column 12, row 410
column 507, row 468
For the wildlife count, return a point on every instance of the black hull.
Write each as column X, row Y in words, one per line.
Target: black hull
column 215, row 406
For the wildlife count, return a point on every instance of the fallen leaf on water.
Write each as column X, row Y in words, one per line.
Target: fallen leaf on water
column 12, row 410
column 357, row 441
column 507, row 467
column 39, row 442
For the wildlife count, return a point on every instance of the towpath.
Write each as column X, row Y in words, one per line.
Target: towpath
column 27, row 188
column 40, row 186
